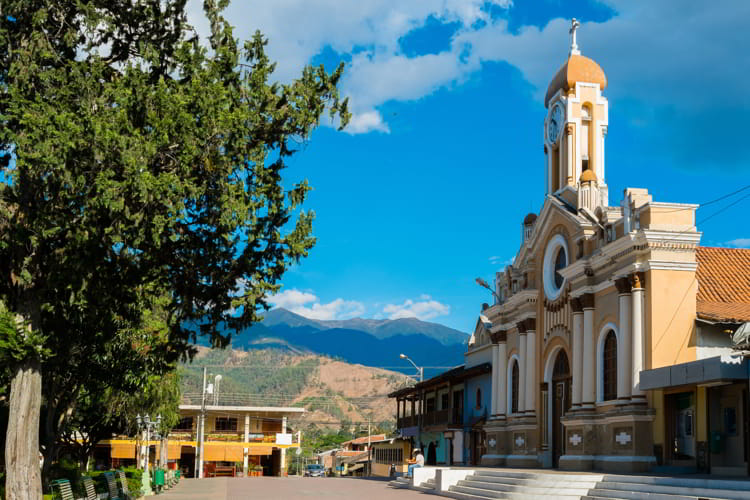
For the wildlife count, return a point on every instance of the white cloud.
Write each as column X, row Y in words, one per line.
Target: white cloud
column 308, row 305
column 501, row 261
column 649, row 52
column 300, row 29
column 740, row 242
column 367, row 121
column 673, row 53
column 423, row 309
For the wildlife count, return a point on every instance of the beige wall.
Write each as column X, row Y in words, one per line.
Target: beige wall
column 670, row 317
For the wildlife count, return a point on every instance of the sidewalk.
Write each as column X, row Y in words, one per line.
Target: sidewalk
column 291, row 488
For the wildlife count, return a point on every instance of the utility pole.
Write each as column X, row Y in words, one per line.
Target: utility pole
column 202, row 426
column 369, row 447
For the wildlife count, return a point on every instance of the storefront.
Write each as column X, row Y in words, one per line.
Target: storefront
column 702, row 414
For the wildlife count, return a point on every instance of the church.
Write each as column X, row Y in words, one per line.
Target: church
column 610, row 336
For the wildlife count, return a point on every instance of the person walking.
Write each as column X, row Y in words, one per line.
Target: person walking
column 417, row 461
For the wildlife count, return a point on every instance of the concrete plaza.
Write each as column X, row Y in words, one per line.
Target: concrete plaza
column 286, row 488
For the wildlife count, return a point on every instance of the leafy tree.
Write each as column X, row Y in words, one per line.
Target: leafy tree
column 135, row 161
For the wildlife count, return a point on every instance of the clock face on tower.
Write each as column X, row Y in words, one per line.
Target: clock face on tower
column 554, row 123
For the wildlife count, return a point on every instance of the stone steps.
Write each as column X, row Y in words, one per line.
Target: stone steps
column 515, row 485
column 399, row 482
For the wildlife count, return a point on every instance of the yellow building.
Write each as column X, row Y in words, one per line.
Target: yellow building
column 237, row 440
column 610, row 336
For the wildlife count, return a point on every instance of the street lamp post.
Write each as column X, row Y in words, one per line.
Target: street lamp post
column 146, row 424
column 484, row 284
column 420, row 369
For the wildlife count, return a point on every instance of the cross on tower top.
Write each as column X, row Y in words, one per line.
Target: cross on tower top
column 573, row 45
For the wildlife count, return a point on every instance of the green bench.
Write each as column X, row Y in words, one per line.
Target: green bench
column 63, row 488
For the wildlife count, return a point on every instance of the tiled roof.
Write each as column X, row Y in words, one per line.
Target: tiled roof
column 365, row 439
column 723, row 284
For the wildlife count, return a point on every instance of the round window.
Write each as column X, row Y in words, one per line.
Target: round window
column 555, row 259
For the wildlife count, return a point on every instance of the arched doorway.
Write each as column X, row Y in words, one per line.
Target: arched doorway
column 560, row 387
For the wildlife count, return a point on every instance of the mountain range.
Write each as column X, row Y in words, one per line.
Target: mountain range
column 369, row 342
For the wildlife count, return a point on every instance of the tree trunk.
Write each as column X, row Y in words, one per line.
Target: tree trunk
column 23, row 478
column 163, row 453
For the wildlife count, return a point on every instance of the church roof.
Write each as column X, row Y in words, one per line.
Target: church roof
column 577, row 68
column 723, row 284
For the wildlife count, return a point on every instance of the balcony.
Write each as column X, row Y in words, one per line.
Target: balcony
column 438, row 417
column 267, row 437
column 409, row 421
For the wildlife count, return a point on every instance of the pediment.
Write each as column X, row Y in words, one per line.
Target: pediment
column 555, row 215
column 481, row 335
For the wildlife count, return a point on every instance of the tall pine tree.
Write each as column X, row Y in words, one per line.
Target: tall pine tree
column 137, row 160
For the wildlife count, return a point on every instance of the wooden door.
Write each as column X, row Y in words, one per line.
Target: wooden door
column 560, row 405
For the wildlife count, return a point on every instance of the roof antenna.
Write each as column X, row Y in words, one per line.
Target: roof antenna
column 573, row 45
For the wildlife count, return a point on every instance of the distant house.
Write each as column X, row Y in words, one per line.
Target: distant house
column 238, row 439
column 390, row 455
column 438, row 415
column 362, row 443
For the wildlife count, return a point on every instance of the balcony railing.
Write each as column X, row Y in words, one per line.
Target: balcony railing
column 409, row 421
column 448, row 416
column 230, row 436
column 438, row 417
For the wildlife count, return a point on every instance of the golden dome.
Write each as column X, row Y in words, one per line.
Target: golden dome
column 588, row 176
column 576, row 69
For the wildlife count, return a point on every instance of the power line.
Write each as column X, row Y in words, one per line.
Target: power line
column 724, row 208
column 705, row 204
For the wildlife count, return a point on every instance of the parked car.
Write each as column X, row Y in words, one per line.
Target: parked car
column 315, row 470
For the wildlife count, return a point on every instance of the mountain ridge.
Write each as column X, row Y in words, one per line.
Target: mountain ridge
column 379, row 328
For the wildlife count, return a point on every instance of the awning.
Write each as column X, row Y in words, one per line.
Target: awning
column 124, row 450
column 355, row 467
column 410, row 431
column 709, row 371
column 260, row 450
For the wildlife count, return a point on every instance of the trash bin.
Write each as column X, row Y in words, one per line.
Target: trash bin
column 159, row 477
column 716, row 442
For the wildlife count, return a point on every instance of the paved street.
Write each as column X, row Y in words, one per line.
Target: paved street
column 286, row 488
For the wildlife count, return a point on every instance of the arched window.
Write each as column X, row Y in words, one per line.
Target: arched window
column 514, row 388
column 609, row 367
column 479, row 398
column 561, row 262
column 585, row 137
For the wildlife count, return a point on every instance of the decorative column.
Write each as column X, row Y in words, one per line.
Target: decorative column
column 639, row 282
column 577, row 388
column 588, row 398
column 502, row 374
column 572, row 176
column 282, row 466
column 495, row 368
column 247, row 439
column 531, row 388
column 521, row 368
column 624, row 343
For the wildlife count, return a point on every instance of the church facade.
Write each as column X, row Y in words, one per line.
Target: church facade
column 602, row 305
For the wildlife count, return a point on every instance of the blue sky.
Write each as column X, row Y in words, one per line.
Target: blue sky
column 428, row 186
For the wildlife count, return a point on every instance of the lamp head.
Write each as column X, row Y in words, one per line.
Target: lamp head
column 402, row 356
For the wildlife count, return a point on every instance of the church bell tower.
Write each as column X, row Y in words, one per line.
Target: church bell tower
column 575, row 129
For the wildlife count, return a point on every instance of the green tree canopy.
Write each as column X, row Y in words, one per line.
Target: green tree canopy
column 137, row 161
